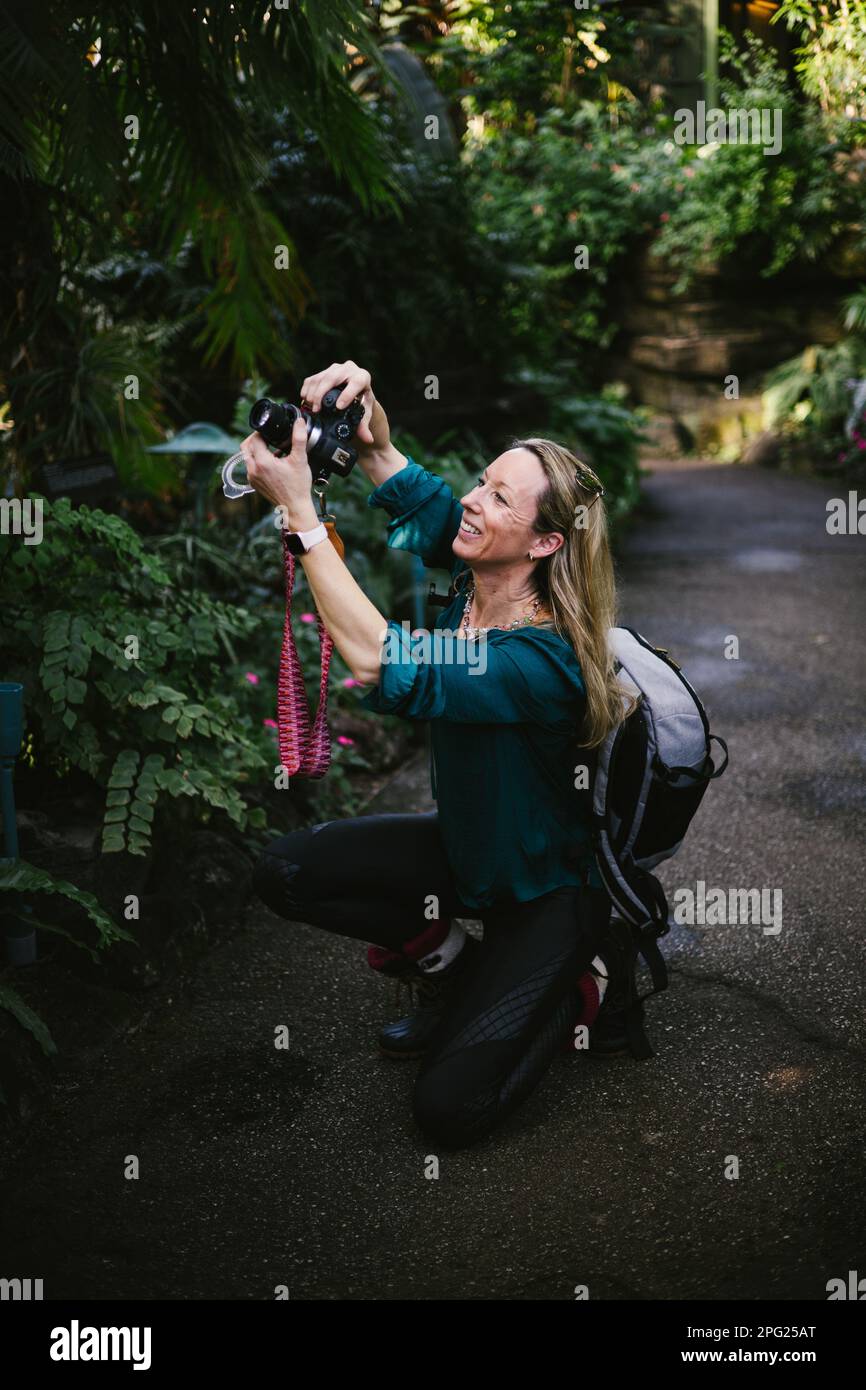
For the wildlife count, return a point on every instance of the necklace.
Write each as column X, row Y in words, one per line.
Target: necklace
column 474, row 632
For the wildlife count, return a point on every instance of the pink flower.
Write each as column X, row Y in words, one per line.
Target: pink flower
column 665, row 217
column 689, row 171
column 350, row 681
column 572, row 217
column 616, row 168
column 635, row 187
column 861, row 444
column 537, row 209
column 308, row 617
column 269, row 723
column 840, row 458
column 346, row 742
column 251, row 677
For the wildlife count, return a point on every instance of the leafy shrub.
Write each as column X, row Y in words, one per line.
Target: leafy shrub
column 27, row 880
column 121, row 674
column 832, row 52
column 186, row 717
column 771, row 210
column 818, row 399
column 572, row 182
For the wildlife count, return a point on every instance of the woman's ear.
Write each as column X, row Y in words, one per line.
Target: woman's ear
column 548, row 544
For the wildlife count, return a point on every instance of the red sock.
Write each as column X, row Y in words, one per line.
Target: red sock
column 382, row 958
column 588, row 1006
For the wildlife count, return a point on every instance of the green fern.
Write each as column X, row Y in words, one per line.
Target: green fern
column 11, row 1002
column 122, row 674
column 21, row 877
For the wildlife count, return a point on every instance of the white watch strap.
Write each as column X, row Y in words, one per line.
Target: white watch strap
column 310, row 538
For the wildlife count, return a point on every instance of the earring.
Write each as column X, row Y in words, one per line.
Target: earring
column 529, row 555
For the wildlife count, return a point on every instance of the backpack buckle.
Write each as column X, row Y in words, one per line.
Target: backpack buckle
column 663, row 651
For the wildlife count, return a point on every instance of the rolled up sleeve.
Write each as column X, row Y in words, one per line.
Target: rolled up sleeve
column 425, row 514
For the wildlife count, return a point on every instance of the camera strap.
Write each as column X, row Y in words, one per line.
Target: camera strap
column 304, row 751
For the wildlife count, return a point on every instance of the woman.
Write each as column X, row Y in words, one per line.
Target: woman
column 513, row 734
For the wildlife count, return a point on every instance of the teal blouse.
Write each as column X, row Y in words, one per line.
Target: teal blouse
column 503, row 736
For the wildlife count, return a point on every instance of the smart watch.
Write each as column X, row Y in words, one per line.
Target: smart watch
column 299, row 542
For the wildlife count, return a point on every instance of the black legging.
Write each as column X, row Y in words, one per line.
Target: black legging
column 371, row 878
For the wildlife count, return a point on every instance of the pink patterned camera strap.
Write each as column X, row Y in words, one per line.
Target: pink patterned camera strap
column 304, row 752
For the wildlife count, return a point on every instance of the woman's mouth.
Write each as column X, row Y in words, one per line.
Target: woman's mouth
column 468, row 529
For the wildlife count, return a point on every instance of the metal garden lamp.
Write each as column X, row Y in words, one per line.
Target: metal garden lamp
column 199, row 438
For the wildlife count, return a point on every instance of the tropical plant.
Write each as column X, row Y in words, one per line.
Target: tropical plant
column 771, row 211
column 559, row 209
column 131, row 129
column 20, row 885
column 832, row 52
column 818, row 399
column 121, row 675
column 509, row 63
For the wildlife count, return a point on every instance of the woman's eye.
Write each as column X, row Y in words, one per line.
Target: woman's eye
column 481, row 483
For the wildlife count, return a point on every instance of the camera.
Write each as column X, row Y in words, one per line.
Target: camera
column 329, row 432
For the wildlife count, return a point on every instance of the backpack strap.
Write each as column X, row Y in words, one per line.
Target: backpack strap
column 630, row 944
column 670, row 774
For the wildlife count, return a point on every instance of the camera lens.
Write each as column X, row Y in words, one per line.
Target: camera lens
column 274, row 422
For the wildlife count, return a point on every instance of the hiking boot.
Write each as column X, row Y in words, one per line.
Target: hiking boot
column 618, row 1029
column 408, row 1037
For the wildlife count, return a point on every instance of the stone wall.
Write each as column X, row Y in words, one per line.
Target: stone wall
column 676, row 351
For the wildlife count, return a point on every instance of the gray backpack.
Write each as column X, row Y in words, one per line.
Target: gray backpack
column 650, row 776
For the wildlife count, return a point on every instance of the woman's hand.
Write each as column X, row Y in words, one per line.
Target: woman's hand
column 286, row 482
column 374, row 434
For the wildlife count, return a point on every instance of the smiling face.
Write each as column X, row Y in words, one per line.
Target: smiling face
column 499, row 513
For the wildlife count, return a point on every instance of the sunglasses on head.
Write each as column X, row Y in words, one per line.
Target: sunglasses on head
column 591, row 486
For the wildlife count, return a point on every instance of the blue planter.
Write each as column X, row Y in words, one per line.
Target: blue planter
column 11, row 719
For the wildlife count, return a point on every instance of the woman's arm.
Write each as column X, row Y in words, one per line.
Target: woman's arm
column 427, row 521
column 424, row 512
column 383, row 464
column 355, row 624
column 425, row 516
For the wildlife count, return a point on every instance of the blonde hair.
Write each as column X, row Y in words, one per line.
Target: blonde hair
column 577, row 581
